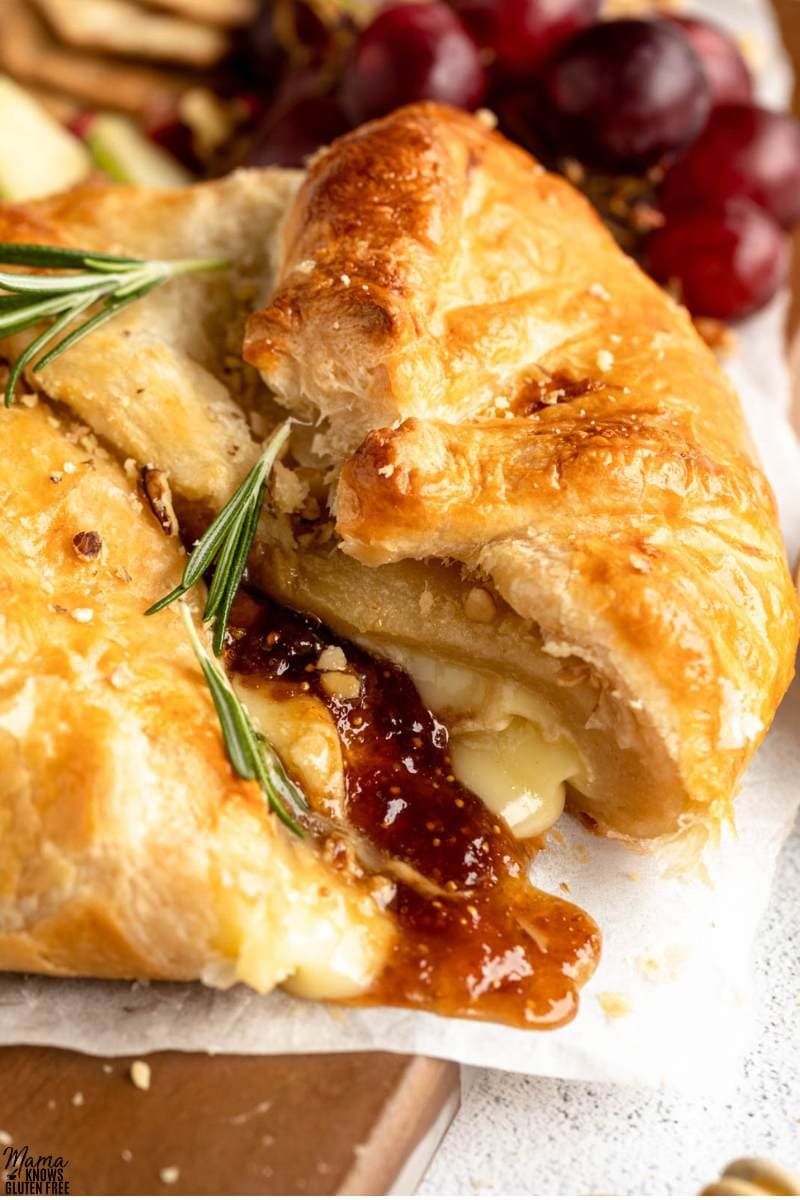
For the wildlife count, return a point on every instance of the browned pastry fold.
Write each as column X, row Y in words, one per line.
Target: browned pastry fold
column 572, row 443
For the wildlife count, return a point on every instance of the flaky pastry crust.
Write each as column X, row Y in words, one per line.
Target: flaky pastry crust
column 566, row 436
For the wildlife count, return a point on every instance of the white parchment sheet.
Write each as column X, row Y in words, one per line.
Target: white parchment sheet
column 678, row 954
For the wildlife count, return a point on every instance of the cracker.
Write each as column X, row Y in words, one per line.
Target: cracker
column 124, row 28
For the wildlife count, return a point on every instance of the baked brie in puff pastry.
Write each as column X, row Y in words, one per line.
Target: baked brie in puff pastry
column 518, row 479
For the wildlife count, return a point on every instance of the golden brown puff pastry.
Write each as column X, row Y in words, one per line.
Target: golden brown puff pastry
column 127, row 846
column 167, row 374
column 567, row 438
column 335, row 936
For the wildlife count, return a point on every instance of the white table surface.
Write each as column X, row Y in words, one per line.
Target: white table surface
column 518, row 1135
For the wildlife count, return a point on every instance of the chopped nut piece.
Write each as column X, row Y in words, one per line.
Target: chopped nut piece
column 332, row 658
column 340, row 685
column 479, row 605
column 141, row 1074
column 87, row 544
column 155, row 485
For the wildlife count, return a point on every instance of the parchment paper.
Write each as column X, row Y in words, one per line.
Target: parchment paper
column 677, row 955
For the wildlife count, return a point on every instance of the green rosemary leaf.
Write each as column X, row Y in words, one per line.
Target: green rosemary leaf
column 38, row 343
column 27, row 254
column 222, row 566
column 227, row 543
column 235, row 572
column 25, row 311
column 231, row 727
column 165, row 601
column 51, row 285
column 250, row 755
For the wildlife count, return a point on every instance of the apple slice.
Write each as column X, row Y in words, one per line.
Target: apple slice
column 119, row 148
column 37, row 154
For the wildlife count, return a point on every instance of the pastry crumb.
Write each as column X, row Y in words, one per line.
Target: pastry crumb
column 169, row 1174
column 604, row 360
column 108, row 1069
column 615, row 1004
column 141, row 1074
column 69, row 468
column 119, row 678
column 598, row 290
column 5, row 1138
column 662, row 966
column 126, row 1155
column 479, row 605
column 77, row 1100
column 386, row 471
column 83, row 615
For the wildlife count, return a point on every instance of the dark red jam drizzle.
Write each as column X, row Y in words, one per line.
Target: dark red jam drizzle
column 488, row 945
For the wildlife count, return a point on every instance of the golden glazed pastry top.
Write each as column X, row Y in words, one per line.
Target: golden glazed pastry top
column 567, row 435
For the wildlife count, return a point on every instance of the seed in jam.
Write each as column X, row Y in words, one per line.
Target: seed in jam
column 477, row 940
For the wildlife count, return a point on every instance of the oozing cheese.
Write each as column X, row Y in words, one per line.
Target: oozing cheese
column 505, row 742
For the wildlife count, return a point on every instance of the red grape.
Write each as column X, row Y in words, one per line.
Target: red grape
column 416, row 51
column 726, row 71
column 626, row 93
column 523, row 33
column 728, row 260
column 743, row 151
column 290, row 133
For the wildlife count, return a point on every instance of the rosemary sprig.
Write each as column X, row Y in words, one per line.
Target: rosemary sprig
column 109, row 280
column 227, row 543
column 250, row 754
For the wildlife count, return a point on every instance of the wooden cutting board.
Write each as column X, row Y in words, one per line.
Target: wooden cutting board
column 336, row 1124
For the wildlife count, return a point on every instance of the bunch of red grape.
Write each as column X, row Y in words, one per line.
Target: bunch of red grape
column 668, row 101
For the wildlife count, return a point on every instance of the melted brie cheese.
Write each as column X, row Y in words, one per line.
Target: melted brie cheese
column 505, row 741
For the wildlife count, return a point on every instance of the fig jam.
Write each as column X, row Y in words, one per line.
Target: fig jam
column 475, row 939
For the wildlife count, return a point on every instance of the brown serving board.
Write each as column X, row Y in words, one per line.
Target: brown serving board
column 329, row 1124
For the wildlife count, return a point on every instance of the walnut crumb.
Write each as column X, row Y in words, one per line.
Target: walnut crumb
column 87, row 544
column 155, row 484
column 479, row 606
column 340, row 686
column 141, row 1074
column 332, row 658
